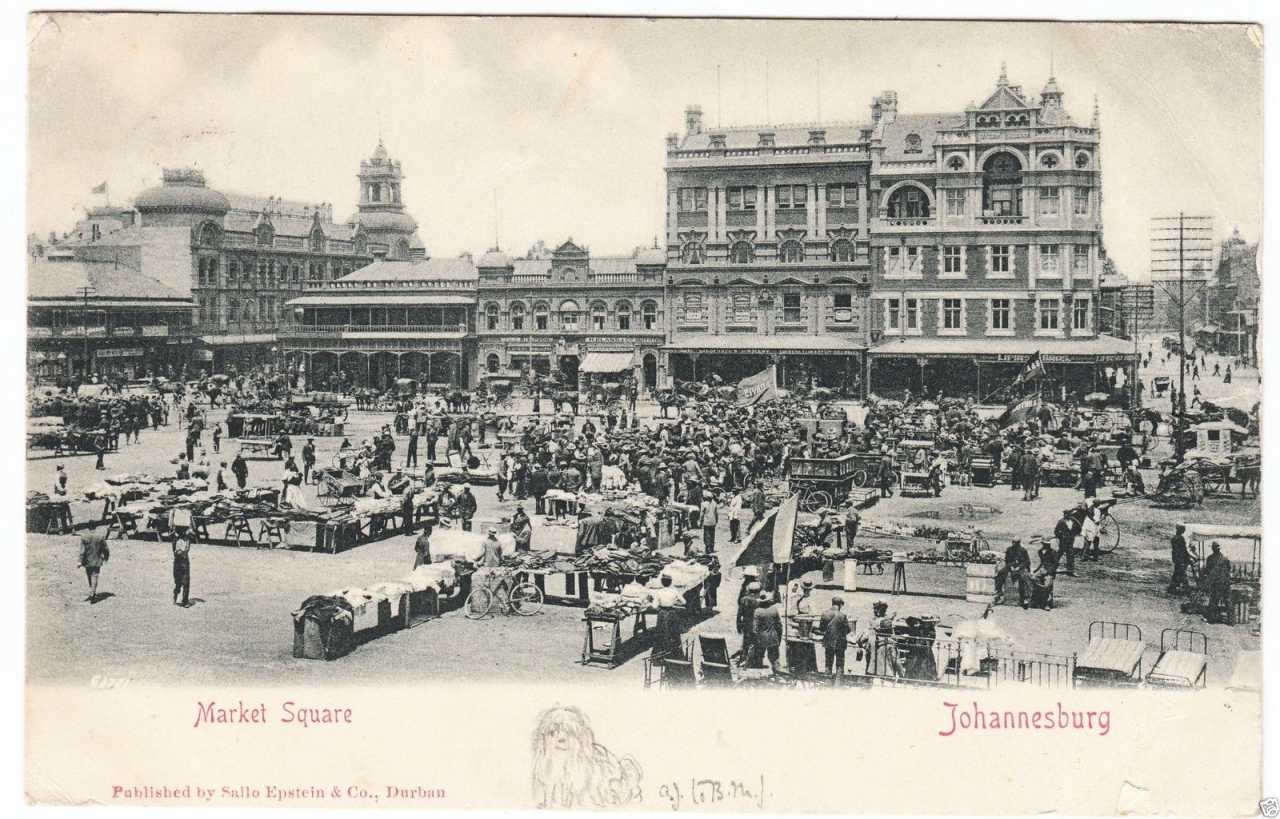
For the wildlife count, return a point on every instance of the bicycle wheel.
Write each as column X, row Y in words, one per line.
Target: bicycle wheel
column 860, row 478
column 478, row 603
column 815, row 500
column 526, row 599
column 1109, row 535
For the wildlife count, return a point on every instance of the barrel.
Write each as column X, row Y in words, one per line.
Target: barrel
column 980, row 582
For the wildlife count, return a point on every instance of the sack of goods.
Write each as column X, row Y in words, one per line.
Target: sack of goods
column 684, row 574
column 436, row 576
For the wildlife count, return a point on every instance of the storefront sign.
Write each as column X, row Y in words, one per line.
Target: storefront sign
column 156, row 330
column 124, row 332
column 39, row 332
column 121, row 352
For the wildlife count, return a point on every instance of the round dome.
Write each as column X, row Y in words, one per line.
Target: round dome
column 651, row 255
column 494, row 258
column 182, row 190
column 377, row 220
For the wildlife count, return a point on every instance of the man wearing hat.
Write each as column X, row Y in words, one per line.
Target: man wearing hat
column 767, row 624
column 835, row 629
column 492, row 557
column 1217, row 575
column 522, row 529
column 465, row 507
column 1016, row 563
column 308, row 459
column 1181, row 559
column 60, row 482
column 747, row 600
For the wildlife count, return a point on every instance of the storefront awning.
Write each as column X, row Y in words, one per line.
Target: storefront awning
column 1008, row 350
column 357, row 300
column 750, row 343
column 605, row 363
column 222, row 341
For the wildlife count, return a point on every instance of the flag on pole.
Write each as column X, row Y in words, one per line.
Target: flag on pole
column 101, row 188
column 771, row 541
column 760, row 388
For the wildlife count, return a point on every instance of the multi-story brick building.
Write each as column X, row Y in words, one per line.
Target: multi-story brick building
column 573, row 312
column 768, row 252
column 986, row 245
column 239, row 258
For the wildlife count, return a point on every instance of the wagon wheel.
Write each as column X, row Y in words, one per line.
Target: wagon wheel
column 1108, row 535
column 1213, row 482
column 814, row 500
column 860, row 478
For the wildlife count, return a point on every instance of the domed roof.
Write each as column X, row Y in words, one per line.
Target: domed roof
column 182, row 189
column 494, row 258
column 380, row 220
column 651, row 255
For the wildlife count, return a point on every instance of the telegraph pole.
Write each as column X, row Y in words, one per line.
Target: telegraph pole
column 1182, row 343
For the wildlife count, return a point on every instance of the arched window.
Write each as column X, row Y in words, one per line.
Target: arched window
column 742, row 253
column 599, row 315
column 209, row 235
column 791, row 252
column 649, row 315
column 693, row 253
column 914, row 145
column 541, row 316
column 491, row 316
column 264, row 235
column 517, row 315
column 908, row 202
column 1002, row 185
column 1082, row 160
column 623, row 312
column 233, row 310
column 295, row 273
column 1049, row 161
column 492, row 362
column 402, row 249
column 569, row 315
column 842, row 250
column 956, row 163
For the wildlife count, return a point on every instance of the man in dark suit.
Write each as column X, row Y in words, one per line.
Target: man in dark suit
column 835, row 629
column 1016, row 563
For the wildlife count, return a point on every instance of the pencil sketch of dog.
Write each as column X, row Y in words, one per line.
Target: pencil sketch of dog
column 571, row 769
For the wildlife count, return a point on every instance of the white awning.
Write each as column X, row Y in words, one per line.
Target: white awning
column 605, row 363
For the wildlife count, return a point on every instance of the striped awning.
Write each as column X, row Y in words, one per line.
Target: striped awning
column 605, row 363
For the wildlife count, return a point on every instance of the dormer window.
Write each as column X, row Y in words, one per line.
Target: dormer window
column 914, row 144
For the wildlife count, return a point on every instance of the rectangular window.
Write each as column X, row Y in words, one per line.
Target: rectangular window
column 742, row 198
column 597, row 321
column 741, row 308
column 1049, row 201
column 955, row 203
column 894, row 318
column 952, row 259
column 1049, row 259
column 1080, row 201
column 1080, row 315
column 1000, row 314
column 1080, row 259
column 693, row 199
column 842, row 196
column 791, row 308
column 693, row 307
column 913, row 314
column 1000, row 259
column 624, row 321
column 491, row 321
column 540, row 321
column 790, row 196
column 1048, row 314
column 569, row 321
column 517, row 320
column 951, row 314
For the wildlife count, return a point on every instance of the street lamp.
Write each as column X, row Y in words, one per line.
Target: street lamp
column 85, row 292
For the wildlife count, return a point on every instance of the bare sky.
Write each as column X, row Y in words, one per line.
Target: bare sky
column 566, row 118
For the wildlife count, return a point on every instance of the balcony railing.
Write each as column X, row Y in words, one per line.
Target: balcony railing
column 339, row 330
column 1001, row 220
column 908, row 221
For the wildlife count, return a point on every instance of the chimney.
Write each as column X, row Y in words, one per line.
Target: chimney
column 673, row 141
column 889, row 106
column 766, row 139
column 875, row 109
column 818, row 137
column 693, row 120
column 717, row 141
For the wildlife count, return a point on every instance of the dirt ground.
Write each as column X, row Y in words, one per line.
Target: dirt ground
column 240, row 629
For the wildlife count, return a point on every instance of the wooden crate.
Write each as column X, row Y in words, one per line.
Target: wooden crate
column 980, row 582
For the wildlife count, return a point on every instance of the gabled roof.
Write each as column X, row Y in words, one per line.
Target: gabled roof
column 1003, row 97
column 568, row 248
column 414, row 270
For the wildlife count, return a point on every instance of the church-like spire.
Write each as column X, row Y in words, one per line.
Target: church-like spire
column 1004, row 74
column 1096, row 122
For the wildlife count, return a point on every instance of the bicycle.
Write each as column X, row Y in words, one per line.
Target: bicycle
column 523, row 598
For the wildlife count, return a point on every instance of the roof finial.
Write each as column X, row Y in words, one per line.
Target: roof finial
column 1097, row 114
column 1004, row 74
column 1051, row 65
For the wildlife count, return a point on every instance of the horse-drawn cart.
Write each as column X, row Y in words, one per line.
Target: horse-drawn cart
column 822, row 482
